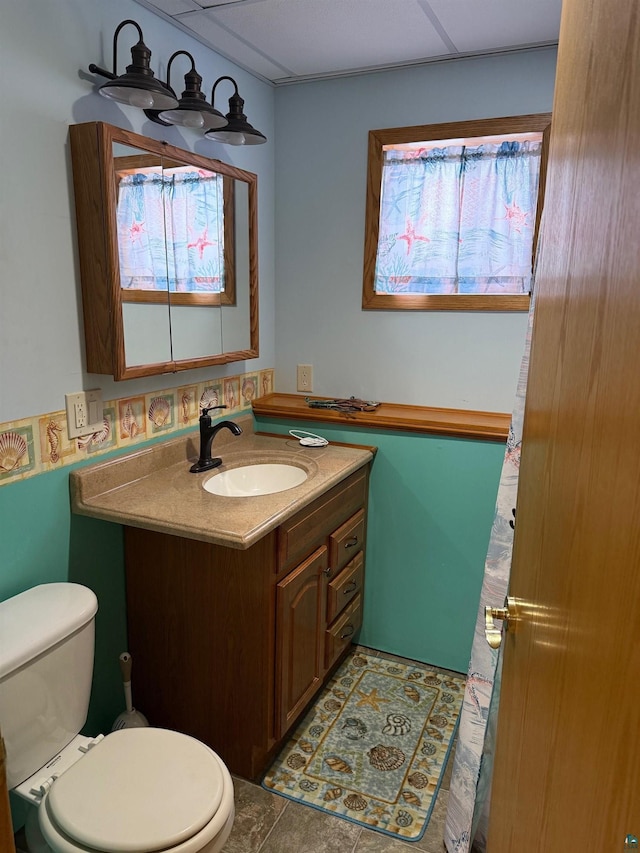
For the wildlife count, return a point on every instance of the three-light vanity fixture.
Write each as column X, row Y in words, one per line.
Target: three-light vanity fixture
column 139, row 87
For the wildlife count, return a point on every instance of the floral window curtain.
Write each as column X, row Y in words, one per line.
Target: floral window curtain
column 170, row 231
column 458, row 219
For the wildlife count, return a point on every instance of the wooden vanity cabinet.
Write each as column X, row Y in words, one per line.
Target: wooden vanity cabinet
column 230, row 646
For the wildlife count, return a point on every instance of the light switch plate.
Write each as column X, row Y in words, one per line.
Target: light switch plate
column 84, row 412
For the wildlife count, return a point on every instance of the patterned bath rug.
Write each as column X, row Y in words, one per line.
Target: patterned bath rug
column 373, row 747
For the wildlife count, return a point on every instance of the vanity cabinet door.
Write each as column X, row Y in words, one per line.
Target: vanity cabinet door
column 300, row 626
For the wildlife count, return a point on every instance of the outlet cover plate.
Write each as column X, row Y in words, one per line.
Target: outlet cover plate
column 305, row 377
column 84, row 412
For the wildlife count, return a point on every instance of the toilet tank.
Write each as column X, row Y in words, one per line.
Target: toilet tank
column 46, row 667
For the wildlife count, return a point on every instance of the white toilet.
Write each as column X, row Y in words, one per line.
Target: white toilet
column 133, row 791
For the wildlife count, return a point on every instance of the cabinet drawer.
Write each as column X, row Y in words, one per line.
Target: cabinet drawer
column 345, row 543
column 340, row 635
column 345, row 587
column 309, row 528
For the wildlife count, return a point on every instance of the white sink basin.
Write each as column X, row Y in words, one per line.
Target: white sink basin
column 260, row 479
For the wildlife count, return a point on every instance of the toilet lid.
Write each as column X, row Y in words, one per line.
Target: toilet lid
column 139, row 789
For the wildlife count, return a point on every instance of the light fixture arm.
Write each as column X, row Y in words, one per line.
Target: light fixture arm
column 139, row 47
column 191, row 75
column 219, row 80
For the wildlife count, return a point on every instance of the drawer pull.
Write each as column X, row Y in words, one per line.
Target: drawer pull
column 348, row 632
column 350, row 587
column 327, row 571
column 351, row 543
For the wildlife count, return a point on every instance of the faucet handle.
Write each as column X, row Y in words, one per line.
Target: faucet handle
column 206, row 411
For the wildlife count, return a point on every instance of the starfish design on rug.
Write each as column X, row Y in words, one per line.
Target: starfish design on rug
column 372, row 699
column 379, row 811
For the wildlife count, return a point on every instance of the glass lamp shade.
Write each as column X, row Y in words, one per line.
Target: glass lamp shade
column 193, row 112
column 237, row 136
column 147, row 93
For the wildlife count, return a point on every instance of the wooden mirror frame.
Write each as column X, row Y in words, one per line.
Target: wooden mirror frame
column 102, row 299
column 538, row 122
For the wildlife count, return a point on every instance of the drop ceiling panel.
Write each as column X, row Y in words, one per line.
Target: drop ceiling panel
column 286, row 40
column 498, row 23
column 309, row 37
column 206, row 28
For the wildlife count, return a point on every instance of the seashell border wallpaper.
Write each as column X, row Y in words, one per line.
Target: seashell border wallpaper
column 39, row 444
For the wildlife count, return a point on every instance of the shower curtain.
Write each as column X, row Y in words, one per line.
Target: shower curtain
column 468, row 808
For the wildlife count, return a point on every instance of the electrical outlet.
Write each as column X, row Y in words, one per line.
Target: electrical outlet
column 84, row 412
column 305, row 377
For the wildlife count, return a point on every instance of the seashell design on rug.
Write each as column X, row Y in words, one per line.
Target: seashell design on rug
column 418, row 779
column 404, row 818
column 337, row 764
column 397, row 724
column 332, row 794
column 410, row 797
column 386, row 757
column 355, row 802
column 354, row 728
column 296, row 761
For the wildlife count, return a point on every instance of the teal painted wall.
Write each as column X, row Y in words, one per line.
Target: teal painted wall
column 431, row 507
column 43, row 542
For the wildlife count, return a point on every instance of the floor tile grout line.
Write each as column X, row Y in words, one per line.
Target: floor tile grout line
column 275, row 823
column 358, row 837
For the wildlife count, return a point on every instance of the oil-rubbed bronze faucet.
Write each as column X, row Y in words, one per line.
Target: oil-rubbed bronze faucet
column 207, row 433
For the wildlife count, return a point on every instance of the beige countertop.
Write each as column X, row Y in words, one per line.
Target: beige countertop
column 153, row 487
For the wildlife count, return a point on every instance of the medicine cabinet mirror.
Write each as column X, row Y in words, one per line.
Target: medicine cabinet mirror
column 168, row 250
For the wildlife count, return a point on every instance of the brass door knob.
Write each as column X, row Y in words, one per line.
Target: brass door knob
column 491, row 631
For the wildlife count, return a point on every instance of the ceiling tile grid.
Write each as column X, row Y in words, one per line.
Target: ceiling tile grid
column 289, row 40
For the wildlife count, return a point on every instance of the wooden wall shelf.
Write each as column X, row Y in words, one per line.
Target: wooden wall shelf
column 492, row 426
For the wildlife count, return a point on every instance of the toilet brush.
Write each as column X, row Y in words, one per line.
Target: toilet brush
column 130, row 718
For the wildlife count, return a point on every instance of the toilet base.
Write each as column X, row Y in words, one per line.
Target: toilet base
column 33, row 836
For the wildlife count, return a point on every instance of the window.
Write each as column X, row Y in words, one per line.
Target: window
column 452, row 214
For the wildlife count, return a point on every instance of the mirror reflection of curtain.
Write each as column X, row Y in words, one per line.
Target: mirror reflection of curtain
column 458, row 219
column 170, row 231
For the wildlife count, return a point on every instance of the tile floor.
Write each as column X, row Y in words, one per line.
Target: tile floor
column 268, row 823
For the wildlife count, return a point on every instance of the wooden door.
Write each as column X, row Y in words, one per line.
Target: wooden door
column 567, row 765
column 301, row 606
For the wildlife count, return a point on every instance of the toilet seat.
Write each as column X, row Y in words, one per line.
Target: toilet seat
column 138, row 790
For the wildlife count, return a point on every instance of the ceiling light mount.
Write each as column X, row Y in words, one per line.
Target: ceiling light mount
column 138, row 86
